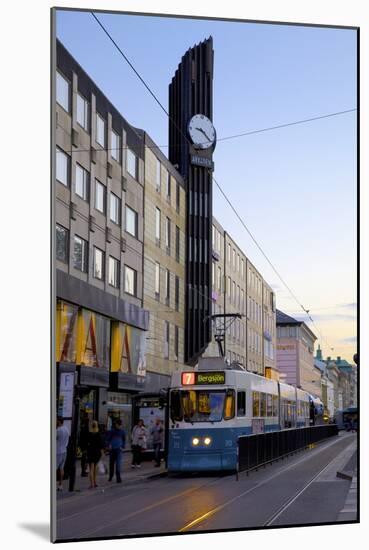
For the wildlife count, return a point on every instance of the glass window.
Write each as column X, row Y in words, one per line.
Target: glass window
column 157, row 278
column 114, row 208
column 178, row 196
column 131, row 221
column 166, row 340
column 176, row 293
column 115, row 151
column 157, row 224
column 100, row 130
column 167, row 285
column 80, row 254
column 158, row 175
column 62, row 91
column 82, row 182
column 62, row 243
column 62, row 167
column 114, row 272
column 95, row 351
column 99, row 261
column 176, row 342
column 203, row 405
column 178, row 241
column 229, row 405
column 262, row 404
column 100, row 193
column 255, row 403
column 167, row 233
column 168, row 186
column 82, row 112
column 130, row 281
column 241, row 403
column 275, row 405
column 131, row 163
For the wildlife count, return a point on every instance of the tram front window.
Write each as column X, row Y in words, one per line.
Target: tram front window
column 205, row 405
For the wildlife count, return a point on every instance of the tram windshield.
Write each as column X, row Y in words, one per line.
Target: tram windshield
column 202, row 405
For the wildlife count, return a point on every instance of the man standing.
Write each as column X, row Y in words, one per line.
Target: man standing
column 157, row 433
column 62, row 438
column 116, row 442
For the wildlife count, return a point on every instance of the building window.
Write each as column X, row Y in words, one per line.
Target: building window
column 62, row 91
column 131, row 163
column 167, row 234
column 115, row 149
column 157, row 225
column 166, row 340
column 82, row 112
column 229, row 254
column 62, row 243
column 100, row 130
column 168, row 186
column 178, row 196
column 178, row 243
column 100, row 196
column 82, row 182
column 114, row 270
column 167, row 287
column 80, row 255
column 157, row 279
column 114, row 208
column 176, row 342
column 158, row 175
column 130, row 281
column 62, row 167
column 176, row 293
column 99, row 261
column 131, row 221
column 219, row 278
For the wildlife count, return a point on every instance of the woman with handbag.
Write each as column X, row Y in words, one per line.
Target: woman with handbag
column 139, row 439
column 95, row 448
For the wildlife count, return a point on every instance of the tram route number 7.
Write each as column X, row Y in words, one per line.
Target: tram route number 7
column 188, row 378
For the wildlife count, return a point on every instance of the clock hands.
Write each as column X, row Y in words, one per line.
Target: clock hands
column 205, row 134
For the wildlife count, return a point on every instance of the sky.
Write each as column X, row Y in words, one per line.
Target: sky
column 294, row 187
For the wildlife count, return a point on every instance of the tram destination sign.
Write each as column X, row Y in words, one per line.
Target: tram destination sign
column 202, row 378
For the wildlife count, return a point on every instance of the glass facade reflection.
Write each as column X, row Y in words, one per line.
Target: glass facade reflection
column 128, row 349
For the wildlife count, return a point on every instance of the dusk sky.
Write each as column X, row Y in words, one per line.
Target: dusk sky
column 294, row 187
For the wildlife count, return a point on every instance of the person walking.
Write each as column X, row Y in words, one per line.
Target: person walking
column 83, row 441
column 94, row 451
column 62, row 438
column 116, row 440
column 157, row 433
column 139, row 439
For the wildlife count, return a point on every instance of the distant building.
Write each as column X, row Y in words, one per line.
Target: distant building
column 295, row 354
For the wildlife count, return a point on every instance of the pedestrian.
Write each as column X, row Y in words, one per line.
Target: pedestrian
column 95, row 447
column 83, row 439
column 139, row 439
column 157, row 433
column 62, row 438
column 116, row 440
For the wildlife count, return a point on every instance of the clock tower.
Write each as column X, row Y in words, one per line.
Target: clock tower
column 192, row 139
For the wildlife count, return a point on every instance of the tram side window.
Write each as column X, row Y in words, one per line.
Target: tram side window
column 275, row 405
column 255, row 403
column 241, row 403
column 175, row 406
column 269, row 405
column 229, row 405
column 262, row 404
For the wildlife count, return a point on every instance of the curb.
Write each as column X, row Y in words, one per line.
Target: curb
column 349, row 511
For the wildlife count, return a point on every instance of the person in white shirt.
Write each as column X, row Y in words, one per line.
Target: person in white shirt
column 62, row 438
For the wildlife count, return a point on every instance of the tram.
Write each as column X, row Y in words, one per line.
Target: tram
column 212, row 405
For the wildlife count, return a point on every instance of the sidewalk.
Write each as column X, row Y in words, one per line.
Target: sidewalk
column 349, row 511
column 129, row 476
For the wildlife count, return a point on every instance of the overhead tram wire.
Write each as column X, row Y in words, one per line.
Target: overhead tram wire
column 306, row 311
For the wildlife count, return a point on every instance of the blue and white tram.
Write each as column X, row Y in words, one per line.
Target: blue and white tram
column 209, row 410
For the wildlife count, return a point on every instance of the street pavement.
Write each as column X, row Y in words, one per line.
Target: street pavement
column 302, row 489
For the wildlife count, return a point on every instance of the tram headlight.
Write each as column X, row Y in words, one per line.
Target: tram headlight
column 195, row 441
column 207, row 441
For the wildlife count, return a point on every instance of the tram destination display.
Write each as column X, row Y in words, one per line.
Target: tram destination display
column 202, row 378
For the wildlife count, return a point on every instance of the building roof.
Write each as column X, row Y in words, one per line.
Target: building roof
column 284, row 319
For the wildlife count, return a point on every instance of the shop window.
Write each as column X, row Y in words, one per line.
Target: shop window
column 66, row 332
column 94, row 340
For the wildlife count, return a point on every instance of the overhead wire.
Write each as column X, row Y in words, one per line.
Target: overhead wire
column 306, row 311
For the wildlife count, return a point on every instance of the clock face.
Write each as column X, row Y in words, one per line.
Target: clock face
column 201, row 132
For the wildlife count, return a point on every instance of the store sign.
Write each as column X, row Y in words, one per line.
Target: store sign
column 202, row 378
column 197, row 160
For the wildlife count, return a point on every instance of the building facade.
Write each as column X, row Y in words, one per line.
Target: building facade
column 295, row 354
column 237, row 287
